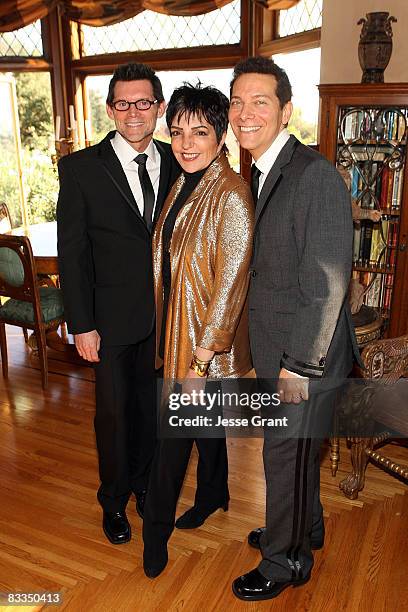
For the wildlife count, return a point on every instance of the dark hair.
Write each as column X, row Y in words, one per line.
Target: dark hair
column 135, row 72
column 206, row 102
column 263, row 65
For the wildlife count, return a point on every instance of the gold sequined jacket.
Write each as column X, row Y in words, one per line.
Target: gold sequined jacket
column 210, row 253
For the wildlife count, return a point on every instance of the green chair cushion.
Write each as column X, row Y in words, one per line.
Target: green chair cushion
column 23, row 312
column 11, row 268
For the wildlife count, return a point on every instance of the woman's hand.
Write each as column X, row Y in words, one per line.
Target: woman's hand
column 194, row 386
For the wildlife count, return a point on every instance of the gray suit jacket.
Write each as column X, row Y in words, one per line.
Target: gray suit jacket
column 301, row 266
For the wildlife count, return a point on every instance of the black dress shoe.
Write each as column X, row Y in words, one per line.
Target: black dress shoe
column 116, row 527
column 255, row 535
column 255, row 587
column 153, row 565
column 140, row 502
column 195, row 517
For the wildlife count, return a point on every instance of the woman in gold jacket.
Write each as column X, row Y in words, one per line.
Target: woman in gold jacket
column 201, row 254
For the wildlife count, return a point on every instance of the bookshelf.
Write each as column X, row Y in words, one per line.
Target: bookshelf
column 364, row 132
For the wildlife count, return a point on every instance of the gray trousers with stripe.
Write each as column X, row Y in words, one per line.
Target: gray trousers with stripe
column 292, row 471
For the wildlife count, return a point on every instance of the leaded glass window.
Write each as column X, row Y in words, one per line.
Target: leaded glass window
column 151, row 31
column 306, row 15
column 24, row 42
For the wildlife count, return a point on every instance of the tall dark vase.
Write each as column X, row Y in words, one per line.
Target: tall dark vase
column 375, row 46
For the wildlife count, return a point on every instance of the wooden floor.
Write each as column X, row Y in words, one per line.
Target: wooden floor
column 50, row 521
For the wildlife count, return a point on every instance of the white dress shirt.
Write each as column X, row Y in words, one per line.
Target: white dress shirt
column 126, row 155
column 267, row 159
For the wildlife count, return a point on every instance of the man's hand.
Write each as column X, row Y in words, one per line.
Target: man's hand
column 88, row 345
column 291, row 388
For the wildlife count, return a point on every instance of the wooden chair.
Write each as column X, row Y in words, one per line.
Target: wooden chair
column 385, row 403
column 5, row 227
column 37, row 308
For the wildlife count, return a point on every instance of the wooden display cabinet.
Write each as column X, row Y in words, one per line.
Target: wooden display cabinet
column 364, row 132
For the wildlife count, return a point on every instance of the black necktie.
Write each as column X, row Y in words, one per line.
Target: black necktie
column 147, row 190
column 255, row 174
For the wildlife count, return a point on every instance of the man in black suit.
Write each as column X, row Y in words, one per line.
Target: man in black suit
column 299, row 319
column 110, row 196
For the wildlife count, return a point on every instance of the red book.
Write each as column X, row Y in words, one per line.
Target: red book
column 384, row 188
column 390, row 188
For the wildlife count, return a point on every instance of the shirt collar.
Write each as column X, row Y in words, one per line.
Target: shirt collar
column 126, row 153
column 268, row 158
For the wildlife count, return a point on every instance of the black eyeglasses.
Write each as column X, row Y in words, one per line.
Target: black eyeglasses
column 124, row 105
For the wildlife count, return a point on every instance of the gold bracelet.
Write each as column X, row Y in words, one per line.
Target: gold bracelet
column 200, row 361
column 199, row 366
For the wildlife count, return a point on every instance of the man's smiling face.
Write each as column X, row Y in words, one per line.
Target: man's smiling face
column 136, row 126
column 255, row 115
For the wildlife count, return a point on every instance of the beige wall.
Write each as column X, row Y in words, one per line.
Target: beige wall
column 341, row 34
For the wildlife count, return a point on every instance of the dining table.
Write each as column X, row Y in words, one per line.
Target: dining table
column 43, row 238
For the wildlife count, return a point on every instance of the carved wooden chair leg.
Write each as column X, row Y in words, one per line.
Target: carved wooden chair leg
column 354, row 482
column 3, row 347
column 334, row 454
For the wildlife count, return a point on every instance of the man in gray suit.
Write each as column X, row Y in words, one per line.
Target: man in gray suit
column 300, row 325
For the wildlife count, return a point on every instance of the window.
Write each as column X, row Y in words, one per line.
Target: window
column 25, row 42
column 303, row 70
column 306, row 15
column 33, row 123
column 150, row 31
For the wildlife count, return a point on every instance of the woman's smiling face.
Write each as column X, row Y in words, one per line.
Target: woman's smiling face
column 194, row 142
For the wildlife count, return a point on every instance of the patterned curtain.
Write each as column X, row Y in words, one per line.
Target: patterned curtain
column 277, row 5
column 15, row 14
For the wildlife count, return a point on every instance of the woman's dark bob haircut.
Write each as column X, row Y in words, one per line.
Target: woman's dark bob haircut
column 208, row 103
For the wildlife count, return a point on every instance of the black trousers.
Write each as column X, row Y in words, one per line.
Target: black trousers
column 166, row 479
column 125, row 420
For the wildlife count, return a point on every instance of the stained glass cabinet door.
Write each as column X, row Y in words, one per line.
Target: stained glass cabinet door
column 364, row 131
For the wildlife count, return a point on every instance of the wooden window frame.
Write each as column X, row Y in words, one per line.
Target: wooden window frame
column 269, row 43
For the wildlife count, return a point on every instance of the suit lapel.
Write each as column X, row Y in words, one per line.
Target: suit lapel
column 114, row 170
column 164, row 181
column 274, row 176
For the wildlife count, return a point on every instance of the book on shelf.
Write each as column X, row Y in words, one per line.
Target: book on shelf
column 392, row 241
column 390, row 126
column 366, row 242
column 372, row 297
column 381, row 188
column 374, row 244
column 377, row 244
column 387, row 293
column 397, row 190
column 390, row 191
column 356, row 243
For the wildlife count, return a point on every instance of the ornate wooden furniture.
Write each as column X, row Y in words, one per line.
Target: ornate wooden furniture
column 386, row 404
column 363, row 131
column 30, row 306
